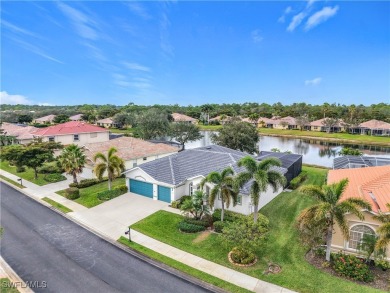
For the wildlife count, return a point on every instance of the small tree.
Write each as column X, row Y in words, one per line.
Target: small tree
column 383, row 230
column 184, row 132
column 73, row 160
column 302, row 121
column 194, row 205
column 367, row 245
column 35, row 156
column 347, row 151
column 152, row 123
column 329, row 123
column 61, row 118
column 124, row 119
column 111, row 164
column 25, row 118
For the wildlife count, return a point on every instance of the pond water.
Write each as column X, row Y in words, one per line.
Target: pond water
column 314, row 152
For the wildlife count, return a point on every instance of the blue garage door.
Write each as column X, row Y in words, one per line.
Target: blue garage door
column 141, row 187
column 164, row 194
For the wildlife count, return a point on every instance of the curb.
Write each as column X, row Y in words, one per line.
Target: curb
column 129, row 250
column 14, row 277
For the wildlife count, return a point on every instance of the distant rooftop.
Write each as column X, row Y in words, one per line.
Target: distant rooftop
column 71, row 127
column 349, row 162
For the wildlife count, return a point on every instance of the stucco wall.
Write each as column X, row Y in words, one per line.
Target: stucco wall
column 83, row 138
column 340, row 243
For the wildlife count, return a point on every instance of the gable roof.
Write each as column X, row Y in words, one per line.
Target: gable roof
column 48, row 118
column 128, row 148
column 181, row 117
column 76, row 117
column 105, row 121
column 319, row 122
column 71, row 127
column 370, row 183
column 375, row 124
column 177, row 168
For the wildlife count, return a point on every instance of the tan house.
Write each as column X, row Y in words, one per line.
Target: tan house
column 374, row 127
column 222, row 119
column 132, row 150
column 73, row 132
column 319, row 125
column 106, row 123
column 45, row 120
column 22, row 134
column 371, row 184
column 77, row 117
column 177, row 117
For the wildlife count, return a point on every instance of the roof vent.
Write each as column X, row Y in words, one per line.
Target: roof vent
column 208, row 147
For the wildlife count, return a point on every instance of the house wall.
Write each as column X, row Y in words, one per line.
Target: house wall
column 340, row 243
column 83, row 138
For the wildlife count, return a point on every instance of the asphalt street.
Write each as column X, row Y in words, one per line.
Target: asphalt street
column 42, row 246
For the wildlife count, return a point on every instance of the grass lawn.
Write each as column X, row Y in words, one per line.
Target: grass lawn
column 27, row 175
column 352, row 138
column 127, row 130
column 282, row 247
column 11, row 181
column 182, row 267
column 6, row 286
column 57, row 205
column 88, row 196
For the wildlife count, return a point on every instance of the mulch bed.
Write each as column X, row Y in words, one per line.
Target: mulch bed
column 381, row 278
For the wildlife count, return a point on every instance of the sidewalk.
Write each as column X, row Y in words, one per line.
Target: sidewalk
column 7, row 272
column 114, row 228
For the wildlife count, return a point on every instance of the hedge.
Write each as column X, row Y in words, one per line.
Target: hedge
column 72, row 193
column 193, row 221
column 190, row 228
column 218, row 226
column 55, row 177
column 87, row 182
column 296, row 182
column 50, row 169
column 110, row 194
column 228, row 216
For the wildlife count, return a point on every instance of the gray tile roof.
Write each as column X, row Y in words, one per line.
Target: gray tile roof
column 177, row 168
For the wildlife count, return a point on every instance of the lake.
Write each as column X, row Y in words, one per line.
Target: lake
column 314, row 152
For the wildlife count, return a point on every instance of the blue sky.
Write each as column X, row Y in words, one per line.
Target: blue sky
column 195, row 52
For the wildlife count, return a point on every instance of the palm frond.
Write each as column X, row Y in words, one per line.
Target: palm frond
column 313, row 191
column 266, row 164
column 248, row 163
column 276, row 180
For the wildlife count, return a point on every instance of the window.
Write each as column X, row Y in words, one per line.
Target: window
column 76, row 137
column 356, row 235
column 191, row 188
column 93, row 134
column 51, row 138
column 145, row 158
column 239, row 199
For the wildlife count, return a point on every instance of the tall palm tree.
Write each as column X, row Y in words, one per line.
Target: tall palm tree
column 224, row 185
column 111, row 164
column 73, row 160
column 261, row 175
column 331, row 209
column 383, row 230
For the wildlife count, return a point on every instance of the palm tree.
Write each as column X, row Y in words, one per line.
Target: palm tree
column 331, row 209
column 383, row 230
column 224, row 185
column 72, row 159
column 206, row 108
column 111, row 164
column 261, row 175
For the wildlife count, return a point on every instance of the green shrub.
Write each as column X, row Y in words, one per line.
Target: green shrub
column 50, row 169
column 296, row 182
column 218, row 226
column 184, row 198
column 190, row 228
column 382, row 264
column 352, row 267
column 203, row 223
column 55, row 177
column 72, row 193
column 242, row 256
column 110, row 194
column 20, row 169
column 73, row 184
column 228, row 216
column 175, row 204
column 84, row 183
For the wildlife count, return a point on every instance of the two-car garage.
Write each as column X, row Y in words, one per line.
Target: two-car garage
column 146, row 189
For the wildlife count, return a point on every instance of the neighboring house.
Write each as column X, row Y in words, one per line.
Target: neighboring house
column 106, row 123
column 168, row 179
column 374, row 127
column 22, row 134
column 318, row 125
column 278, row 122
column 371, row 184
column 73, row 132
column 45, row 120
column 177, row 117
column 350, row 162
column 132, row 150
column 77, row 117
column 222, row 119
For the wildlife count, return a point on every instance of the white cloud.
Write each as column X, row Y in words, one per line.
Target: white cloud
column 296, row 20
column 288, row 10
column 139, row 10
column 136, row 66
column 314, row 81
column 256, row 36
column 310, row 2
column 18, row 30
column 321, row 16
column 6, row 98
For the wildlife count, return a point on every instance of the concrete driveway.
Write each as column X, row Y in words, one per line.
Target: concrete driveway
column 113, row 217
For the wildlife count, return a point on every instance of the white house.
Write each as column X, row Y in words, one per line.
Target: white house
column 169, row 178
column 73, row 132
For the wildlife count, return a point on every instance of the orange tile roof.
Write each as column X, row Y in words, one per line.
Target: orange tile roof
column 129, row 148
column 375, row 124
column 371, row 184
column 20, row 132
column 182, row 117
column 72, row 127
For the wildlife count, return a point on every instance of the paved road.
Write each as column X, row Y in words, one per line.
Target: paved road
column 41, row 245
